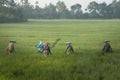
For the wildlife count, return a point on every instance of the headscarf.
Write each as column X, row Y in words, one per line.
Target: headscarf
column 46, row 44
column 41, row 42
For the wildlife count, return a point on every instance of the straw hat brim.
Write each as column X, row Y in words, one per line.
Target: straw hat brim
column 106, row 41
column 13, row 41
column 68, row 43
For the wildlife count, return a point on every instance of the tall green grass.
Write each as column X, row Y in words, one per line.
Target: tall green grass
column 87, row 63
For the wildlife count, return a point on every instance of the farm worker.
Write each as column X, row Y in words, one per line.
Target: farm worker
column 46, row 49
column 40, row 47
column 107, row 47
column 10, row 47
column 69, row 48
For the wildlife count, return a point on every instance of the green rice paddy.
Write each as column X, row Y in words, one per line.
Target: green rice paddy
column 87, row 62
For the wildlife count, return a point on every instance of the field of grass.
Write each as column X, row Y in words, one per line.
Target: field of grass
column 87, row 63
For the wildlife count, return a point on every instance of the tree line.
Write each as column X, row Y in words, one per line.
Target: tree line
column 14, row 11
column 10, row 11
column 60, row 11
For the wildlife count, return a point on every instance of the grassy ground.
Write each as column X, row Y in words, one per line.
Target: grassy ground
column 87, row 63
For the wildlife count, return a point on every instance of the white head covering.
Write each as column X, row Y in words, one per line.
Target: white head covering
column 41, row 42
column 106, row 41
column 68, row 43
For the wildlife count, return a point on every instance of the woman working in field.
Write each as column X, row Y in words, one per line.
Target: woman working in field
column 69, row 48
column 46, row 49
column 10, row 47
column 107, row 48
column 40, row 47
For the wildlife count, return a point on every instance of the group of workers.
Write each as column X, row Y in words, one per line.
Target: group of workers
column 45, row 47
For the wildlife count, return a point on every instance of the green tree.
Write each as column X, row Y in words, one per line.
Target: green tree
column 115, row 5
column 28, row 12
column 102, row 9
column 62, row 10
column 10, row 11
column 76, row 11
column 12, row 3
column 51, row 12
column 24, row 3
column 93, row 9
column 3, row 2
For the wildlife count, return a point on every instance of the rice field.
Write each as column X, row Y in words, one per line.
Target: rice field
column 86, row 63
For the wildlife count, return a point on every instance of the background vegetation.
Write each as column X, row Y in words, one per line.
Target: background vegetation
column 87, row 63
column 11, row 11
column 60, row 11
column 14, row 11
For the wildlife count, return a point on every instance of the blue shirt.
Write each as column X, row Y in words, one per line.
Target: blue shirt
column 40, row 47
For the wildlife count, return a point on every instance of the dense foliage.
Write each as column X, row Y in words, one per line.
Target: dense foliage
column 20, row 11
column 11, row 11
column 60, row 11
